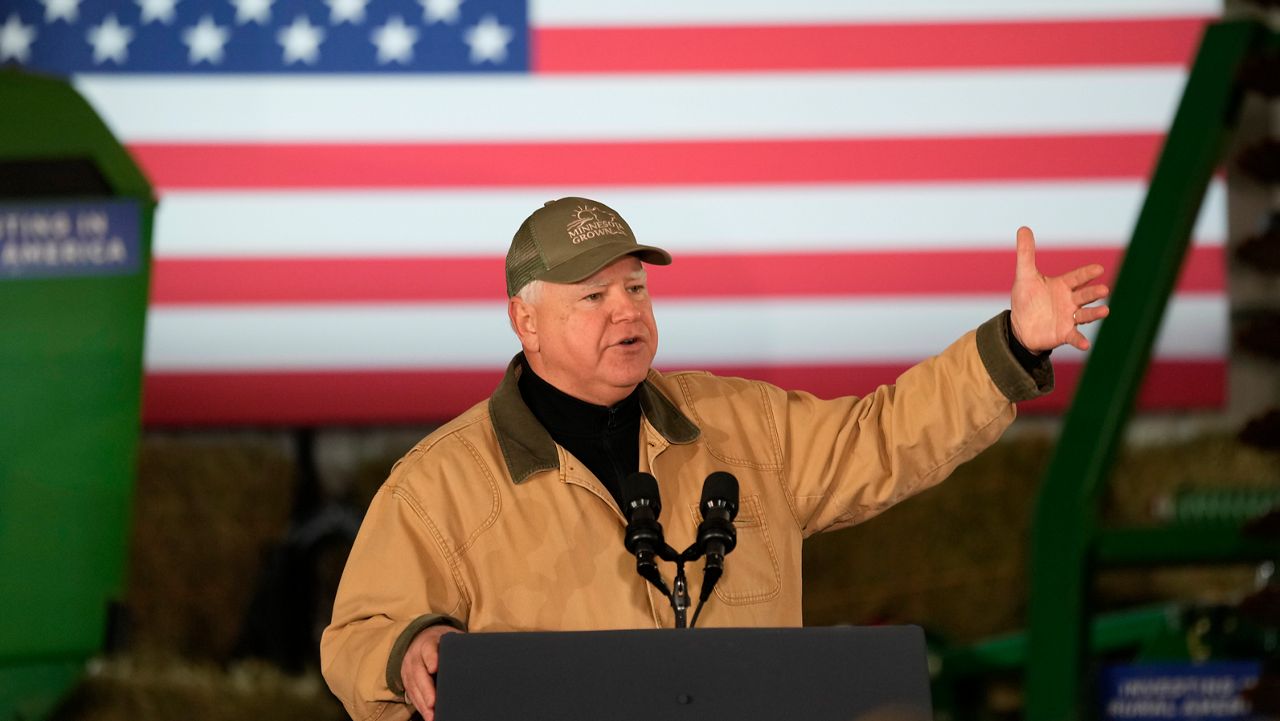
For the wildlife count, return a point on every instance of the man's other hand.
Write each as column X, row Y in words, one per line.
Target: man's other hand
column 1045, row 311
column 420, row 663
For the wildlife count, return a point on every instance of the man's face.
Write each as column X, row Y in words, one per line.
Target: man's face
column 594, row 339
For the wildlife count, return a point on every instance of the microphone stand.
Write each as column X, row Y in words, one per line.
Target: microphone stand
column 680, row 595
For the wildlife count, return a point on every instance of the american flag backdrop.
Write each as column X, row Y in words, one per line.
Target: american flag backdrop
column 839, row 182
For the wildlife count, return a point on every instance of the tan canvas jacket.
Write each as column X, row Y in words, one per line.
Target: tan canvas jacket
column 489, row 525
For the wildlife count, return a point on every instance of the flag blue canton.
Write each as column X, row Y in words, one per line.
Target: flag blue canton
column 266, row 36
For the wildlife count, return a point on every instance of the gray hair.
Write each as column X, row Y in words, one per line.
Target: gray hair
column 531, row 293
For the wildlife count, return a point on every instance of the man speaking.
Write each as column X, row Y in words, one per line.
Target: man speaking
column 508, row 517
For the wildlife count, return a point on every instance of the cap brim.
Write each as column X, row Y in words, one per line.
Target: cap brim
column 592, row 261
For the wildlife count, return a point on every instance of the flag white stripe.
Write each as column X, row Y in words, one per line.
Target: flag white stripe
column 737, row 331
column 579, row 13
column 353, row 109
column 791, row 218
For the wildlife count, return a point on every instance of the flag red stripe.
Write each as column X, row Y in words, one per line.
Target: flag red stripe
column 392, row 397
column 230, row 166
column 232, row 281
column 865, row 46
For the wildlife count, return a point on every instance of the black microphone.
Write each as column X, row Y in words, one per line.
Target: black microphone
column 716, row 534
column 641, row 505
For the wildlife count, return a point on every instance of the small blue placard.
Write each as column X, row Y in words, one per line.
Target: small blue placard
column 65, row 240
column 1209, row 691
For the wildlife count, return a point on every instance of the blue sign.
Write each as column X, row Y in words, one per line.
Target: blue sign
column 64, row 240
column 1162, row 691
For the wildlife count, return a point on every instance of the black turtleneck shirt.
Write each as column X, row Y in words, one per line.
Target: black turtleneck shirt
column 606, row 439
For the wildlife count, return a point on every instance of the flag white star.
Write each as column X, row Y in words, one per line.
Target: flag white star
column 110, row 41
column 445, row 11
column 341, row 11
column 395, row 41
column 153, row 10
column 16, row 39
column 257, row 11
column 67, row 10
column 488, row 40
column 301, row 41
column 205, row 41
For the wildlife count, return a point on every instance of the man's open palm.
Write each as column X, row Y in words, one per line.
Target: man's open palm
column 1047, row 310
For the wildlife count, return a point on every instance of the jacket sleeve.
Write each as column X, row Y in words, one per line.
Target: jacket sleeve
column 398, row 580
column 847, row 459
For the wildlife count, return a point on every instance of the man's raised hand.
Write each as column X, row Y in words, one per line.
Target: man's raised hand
column 1045, row 311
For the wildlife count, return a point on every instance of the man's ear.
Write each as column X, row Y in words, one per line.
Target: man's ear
column 524, row 322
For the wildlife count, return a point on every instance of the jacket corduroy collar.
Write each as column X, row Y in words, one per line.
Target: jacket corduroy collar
column 527, row 447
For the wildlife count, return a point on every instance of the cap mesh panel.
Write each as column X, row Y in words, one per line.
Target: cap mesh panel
column 524, row 263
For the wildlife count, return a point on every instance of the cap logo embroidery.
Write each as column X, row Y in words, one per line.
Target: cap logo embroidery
column 592, row 222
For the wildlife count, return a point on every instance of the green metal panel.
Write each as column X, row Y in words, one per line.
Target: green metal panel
column 45, row 118
column 1187, row 544
column 71, row 362
column 1108, row 633
column 1066, row 515
column 32, row 690
column 1229, row 505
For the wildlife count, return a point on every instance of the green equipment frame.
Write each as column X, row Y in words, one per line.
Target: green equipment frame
column 71, row 415
column 1067, row 544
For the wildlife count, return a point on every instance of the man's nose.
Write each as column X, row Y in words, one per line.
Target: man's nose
column 623, row 306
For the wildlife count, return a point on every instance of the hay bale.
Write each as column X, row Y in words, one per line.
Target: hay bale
column 954, row 559
column 205, row 510
column 134, row 689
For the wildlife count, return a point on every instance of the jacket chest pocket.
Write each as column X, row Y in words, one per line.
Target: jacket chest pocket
column 751, row 573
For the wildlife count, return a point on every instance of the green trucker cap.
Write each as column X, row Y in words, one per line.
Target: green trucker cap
column 569, row 239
